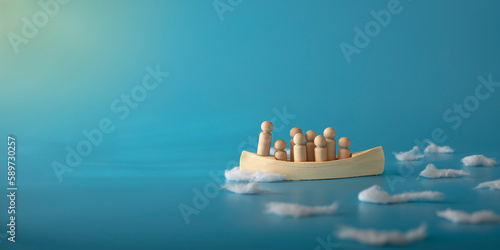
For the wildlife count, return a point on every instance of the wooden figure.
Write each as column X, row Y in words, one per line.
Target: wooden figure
column 320, row 152
column 344, row 151
column 331, row 147
column 310, row 135
column 299, row 148
column 265, row 138
column 280, row 153
column 293, row 132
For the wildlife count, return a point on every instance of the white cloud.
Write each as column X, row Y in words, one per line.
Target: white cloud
column 374, row 194
column 459, row 216
column 475, row 160
column 298, row 210
column 435, row 149
column 431, row 171
column 492, row 185
column 383, row 237
column 245, row 188
column 248, row 175
column 413, row 154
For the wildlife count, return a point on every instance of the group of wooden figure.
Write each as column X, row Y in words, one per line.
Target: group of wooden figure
column 317, row 148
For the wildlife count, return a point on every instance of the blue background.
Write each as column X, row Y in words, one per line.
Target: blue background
column 227, row 75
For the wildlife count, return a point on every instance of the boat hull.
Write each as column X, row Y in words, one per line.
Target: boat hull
column 364, row 163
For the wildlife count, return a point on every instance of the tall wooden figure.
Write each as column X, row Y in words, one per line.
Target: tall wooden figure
column 293, row 132
column 331, row 147
column 320, row 153
column 265, row 138
column 299, row 148
column 310, row 135
column 344, row 152
column 280, row 153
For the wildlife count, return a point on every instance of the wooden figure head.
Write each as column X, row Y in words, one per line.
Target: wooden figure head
column 279, row 144
column 299, row 139
column 344, row 142
column 310, row 135
column 320, row 141
column 267, row 126
column 294, row 131
column 329, row 133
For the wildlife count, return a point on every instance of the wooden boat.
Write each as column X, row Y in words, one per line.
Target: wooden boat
column 368, row 162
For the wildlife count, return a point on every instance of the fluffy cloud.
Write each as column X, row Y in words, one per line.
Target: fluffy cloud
column 374, row 194
column 245, row 188
column 435, row 149
column 382, row 237
column 431, row 171
column 413, row 154
column 458, row 216
column 248, row 175
column 298, row 210
column 475, row 160
column 492, row 185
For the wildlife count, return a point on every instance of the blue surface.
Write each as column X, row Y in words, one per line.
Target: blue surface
column 226, row 77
